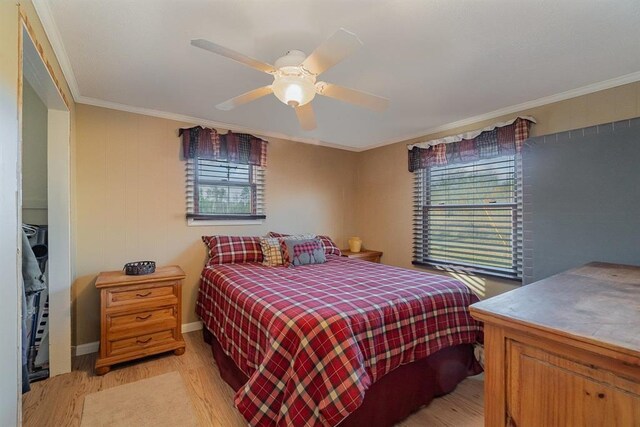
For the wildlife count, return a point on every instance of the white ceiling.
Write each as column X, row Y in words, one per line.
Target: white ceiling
column 438, row 61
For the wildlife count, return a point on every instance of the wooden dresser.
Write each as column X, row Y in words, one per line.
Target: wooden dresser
column 139, row 315
column 365, row 254
column 564, row 351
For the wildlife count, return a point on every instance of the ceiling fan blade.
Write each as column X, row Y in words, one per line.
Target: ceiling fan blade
column 232, row 54
column 352, row 96
column 306, row 116
column 333, row 50
column 244, row 98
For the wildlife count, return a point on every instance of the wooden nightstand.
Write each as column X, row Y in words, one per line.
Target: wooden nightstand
column 365, row 255
column 139, row 315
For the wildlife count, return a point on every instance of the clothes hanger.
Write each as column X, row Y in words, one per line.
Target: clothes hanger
column 29, row 230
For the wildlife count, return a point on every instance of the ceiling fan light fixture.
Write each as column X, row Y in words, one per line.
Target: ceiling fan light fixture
column 295, row 74
column 294, row 88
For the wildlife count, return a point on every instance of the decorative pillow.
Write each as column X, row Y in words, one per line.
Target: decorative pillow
column 271, row 251
column 300, row 236
column 233, row 249
column 330, row 248
column 301, row 252
column 274, row 234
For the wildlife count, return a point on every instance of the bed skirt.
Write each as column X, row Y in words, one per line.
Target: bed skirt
column 396, row 395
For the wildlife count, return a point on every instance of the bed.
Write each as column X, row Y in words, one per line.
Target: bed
column 346, row 342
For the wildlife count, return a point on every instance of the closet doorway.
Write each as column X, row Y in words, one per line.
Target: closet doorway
column 45, row 207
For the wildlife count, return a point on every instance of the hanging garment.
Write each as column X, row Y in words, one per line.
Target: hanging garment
column 25, row 343
column 33, row 277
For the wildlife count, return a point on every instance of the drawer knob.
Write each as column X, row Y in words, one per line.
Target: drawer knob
column 143, row 317
column 144, row 295
column 143, row 341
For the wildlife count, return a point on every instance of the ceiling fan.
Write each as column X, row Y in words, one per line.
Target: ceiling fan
column 295, row 77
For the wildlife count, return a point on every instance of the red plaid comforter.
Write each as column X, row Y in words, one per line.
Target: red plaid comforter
column 313, row 338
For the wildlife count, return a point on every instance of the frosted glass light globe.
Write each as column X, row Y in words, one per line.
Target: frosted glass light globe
column 294, row 89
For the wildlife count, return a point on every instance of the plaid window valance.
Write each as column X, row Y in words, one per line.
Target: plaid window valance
column 207, row 143
column 498, row 140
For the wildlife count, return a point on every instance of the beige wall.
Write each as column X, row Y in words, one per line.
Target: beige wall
column 384, row 185
column 34, row 157
column 131, row 196
column 131, row 202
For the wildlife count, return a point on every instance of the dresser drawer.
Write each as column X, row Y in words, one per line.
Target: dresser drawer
column 140, row 342
column 164, row 294
column 134, row 324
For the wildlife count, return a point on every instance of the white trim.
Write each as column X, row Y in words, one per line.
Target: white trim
column 93, row 347
column 190, row 327
column 205, row 122
column 59, row 219
column 53, row 34
column 88, row 348
column 573, row 93
column 213, row 222
column 10, row 217
column 48, row 22
column 562, row 96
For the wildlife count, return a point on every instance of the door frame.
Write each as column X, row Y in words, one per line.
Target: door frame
column 10, row 260
column 58, row 203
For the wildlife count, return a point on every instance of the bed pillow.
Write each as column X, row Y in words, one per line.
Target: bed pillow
column 292, row 236
column 330, row 248
column 271, row 251
column 233, row 249
column 302, row 251
column 274, row 234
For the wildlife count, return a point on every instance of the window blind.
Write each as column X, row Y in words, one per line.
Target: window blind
column 470, row 215
column 222, row 190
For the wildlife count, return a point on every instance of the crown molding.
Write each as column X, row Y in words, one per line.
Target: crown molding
column 205, row 122
column 53, row 34
column 518, row 108
column 48, row 22
column 573, row 93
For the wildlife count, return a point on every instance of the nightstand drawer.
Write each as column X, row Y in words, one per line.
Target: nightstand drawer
column 123, row 297
column 140, row 343
column 133, row 324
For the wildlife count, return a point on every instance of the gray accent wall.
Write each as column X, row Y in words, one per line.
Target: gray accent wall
column 581, row 198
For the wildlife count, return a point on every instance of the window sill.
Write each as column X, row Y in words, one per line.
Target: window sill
column 209, row 220
column 456, row 268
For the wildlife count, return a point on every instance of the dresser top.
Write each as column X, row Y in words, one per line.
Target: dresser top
column 118, row 278
column 598, row 303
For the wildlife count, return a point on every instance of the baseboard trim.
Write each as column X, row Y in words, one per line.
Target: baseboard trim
column 92, row 347
column 88, row 348
column 190, row 327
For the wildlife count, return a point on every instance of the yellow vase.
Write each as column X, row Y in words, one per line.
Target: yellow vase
column 355, row 244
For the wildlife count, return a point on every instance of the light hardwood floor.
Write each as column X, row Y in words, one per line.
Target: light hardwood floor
column 58, row 401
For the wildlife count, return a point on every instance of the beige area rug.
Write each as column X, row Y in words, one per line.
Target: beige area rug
column 156, row 401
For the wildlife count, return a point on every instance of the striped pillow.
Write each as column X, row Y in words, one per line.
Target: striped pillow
column 271, row 251
column 233, row 249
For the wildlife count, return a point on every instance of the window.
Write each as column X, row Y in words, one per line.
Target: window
column 470, row 215
column 218, row 189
